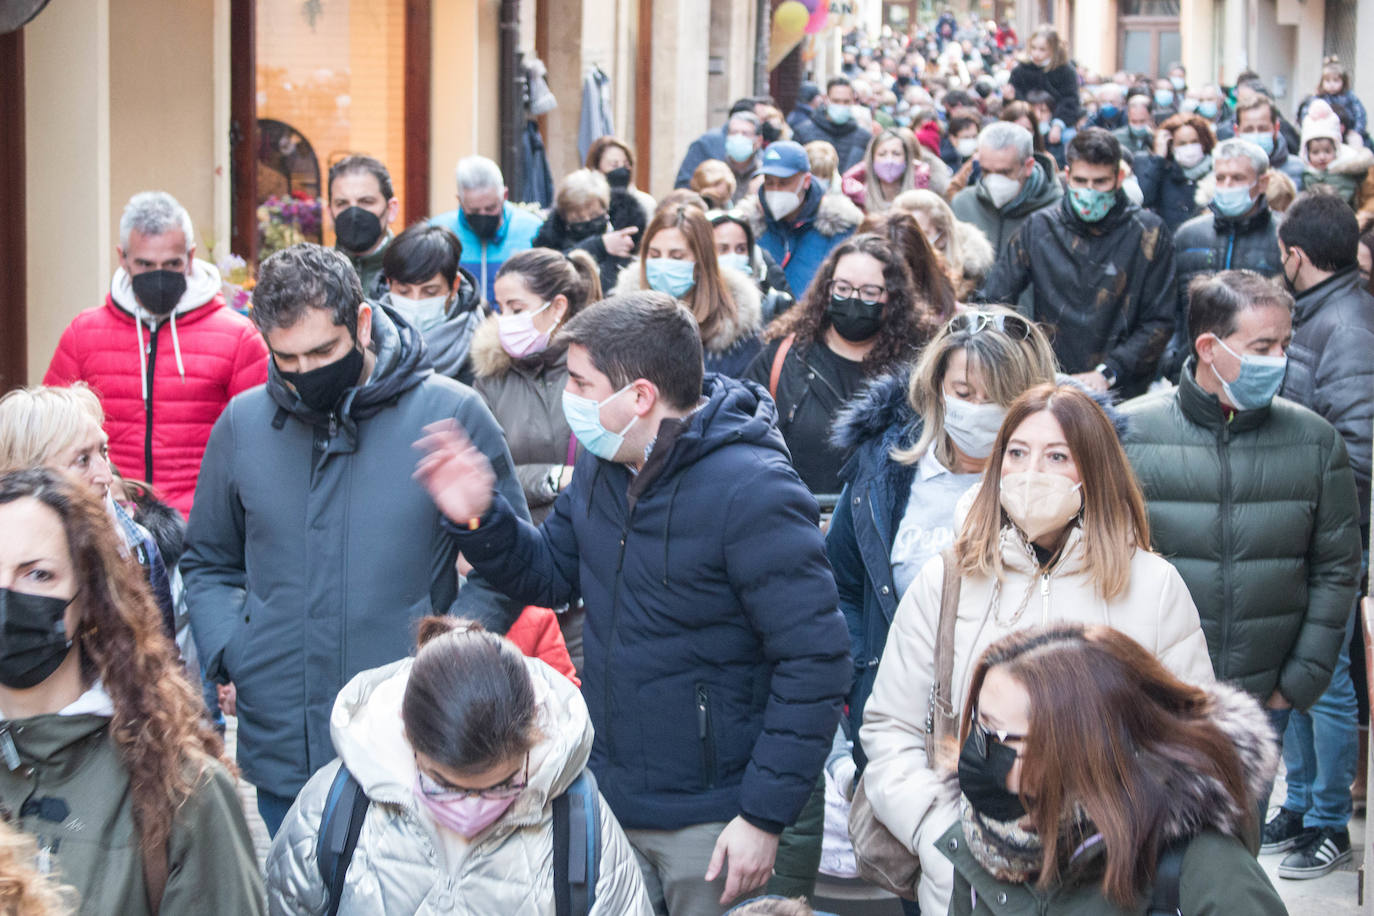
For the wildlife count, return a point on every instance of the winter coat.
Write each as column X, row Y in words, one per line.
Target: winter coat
column 906, row 793
column 71, row 759
column 1344, row 175
column 716, row 659
column 448, row 343
column 1211, row 242
column 403, row 861
column 526, row 398
column 1061, row 83
column 1263, row 528
column 161, row 382
column 974, row 205
column 1284, row 159
column 800, row 245
column 710, row 145
column 368, row 267
column 1165, row 189
column 482, row 258
column 1107, row 288
column 1354, row 108
column 1131, row 144
column 1219, row 876
column 1331, row 366
column 312, row 550
column 850, row 139
column 537, row 635
column 624, row 211
column 736, row 342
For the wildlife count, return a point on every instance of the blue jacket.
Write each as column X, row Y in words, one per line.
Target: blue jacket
column 710, row 145
column 716, row 660
column 824, row 221
column 483, row 259
column 1167, row 192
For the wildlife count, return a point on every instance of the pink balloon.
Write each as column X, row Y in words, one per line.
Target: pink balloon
column 818, row 18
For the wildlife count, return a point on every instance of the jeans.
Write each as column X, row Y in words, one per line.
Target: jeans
column 1320, row 749
column 273, row 810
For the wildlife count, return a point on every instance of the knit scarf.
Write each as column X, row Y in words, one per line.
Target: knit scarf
column 1006, row 850
column 1197, row 171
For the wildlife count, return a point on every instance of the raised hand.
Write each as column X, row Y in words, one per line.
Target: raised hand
column 455, row 472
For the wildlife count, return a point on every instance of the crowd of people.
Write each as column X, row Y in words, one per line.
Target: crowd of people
column 961, row 480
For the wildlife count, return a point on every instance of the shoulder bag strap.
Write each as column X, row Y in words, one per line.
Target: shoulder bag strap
column 1166, row 898
column 778, row 359
column 155, row 871
column 338, row 836
column 941, row 718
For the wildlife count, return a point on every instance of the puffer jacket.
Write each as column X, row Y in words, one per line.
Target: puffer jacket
column 974, row 205
column 1263, row 528
column 311, row 549
column 402, row 862
column 1106, row 288
column 907, row 794
column 716, row 660
column 526, row 398
column 163, row 382
column 1166, row 190
column 824, row 221
column 1220, row 876
column 1331, row 366
column 448, row 344
column 849, row 139
column 482, row 258
column 736, row 342
column 69, row 790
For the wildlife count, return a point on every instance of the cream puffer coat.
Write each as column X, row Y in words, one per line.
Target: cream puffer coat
column 399, row 865
column 906, row 793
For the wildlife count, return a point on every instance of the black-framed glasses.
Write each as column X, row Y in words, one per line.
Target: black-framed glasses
column 499, row 792
column 869, row 294
column 1014, row 326
column 984, row 736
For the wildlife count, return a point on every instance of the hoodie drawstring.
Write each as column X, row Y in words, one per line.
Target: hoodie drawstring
column 142, row 360
column 176, row 348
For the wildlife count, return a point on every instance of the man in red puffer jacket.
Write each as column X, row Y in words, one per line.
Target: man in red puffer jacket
column 164, row 353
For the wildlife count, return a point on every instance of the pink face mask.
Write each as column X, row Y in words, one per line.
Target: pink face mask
column 519, row 337
column 889, row 170
column 466, row 816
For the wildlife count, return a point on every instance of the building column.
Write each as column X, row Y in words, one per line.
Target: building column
column 678, row 105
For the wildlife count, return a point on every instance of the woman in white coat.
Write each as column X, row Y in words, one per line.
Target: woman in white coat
column 461, row 752
column 1056, row 532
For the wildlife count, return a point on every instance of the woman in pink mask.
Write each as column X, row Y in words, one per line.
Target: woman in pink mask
column 890, row 167
column 460, row 753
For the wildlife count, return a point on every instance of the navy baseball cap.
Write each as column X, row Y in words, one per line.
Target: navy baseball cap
column 785, row 159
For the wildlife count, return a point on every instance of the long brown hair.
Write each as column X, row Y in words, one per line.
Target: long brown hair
column 159, row 727
column 929, row 283
column 907, row 323
column 709, row 299
column 1115, row 523
column 1102, row 708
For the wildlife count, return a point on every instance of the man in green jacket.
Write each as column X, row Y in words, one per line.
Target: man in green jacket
column 1252, row 499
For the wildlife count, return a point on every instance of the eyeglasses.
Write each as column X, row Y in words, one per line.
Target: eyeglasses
column 868, row 294
column 1014, row 326
column 499, row 792
column 984, row 736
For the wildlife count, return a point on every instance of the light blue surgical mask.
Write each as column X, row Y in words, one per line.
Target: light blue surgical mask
column 1164, row 98
column 584, row 419
column 738, row 262
column 1259, row 380
column 1263, row 141
column 1090, row 204
column 839, row 114
column 1233, row 201
column 671, row 276
column 739, row 147
column 1207, row 110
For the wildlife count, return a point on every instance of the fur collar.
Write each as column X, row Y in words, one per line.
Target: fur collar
column 976, row 251
column 490, row 360
column 836, row 215
column 748, row 320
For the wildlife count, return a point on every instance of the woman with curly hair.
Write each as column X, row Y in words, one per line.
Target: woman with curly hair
column 110, row 763
column 24, row 891
column 861, row 317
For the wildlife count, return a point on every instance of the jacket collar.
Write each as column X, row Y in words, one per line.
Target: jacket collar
column 1252, row 220
column 1310, row 300
column 1117, row 215
column 1204, row 408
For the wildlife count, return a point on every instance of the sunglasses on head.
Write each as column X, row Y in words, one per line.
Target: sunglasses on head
column 1014, row 326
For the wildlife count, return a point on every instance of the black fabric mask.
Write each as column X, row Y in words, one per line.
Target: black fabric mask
column 159, row 291
column 587, row 228
column 320, row 389
column 357, row 229
column 983, row 780
column 771, row 132
column 853, row 319
column 618, row 178
column 34, row 638
column 484, row 225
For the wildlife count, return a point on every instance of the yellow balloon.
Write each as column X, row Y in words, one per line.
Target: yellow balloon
column 789, row 27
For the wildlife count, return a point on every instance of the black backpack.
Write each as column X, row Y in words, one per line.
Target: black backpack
column 1165, row 897
column 576, row 840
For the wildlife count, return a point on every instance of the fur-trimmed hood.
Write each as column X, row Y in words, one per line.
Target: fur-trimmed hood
column 836, row 215
column 748, row 320
column 490, row 359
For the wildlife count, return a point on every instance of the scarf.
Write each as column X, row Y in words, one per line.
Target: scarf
column 1004, row 849
column 1197, row 171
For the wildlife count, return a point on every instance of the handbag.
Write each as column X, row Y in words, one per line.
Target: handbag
column 882, row 859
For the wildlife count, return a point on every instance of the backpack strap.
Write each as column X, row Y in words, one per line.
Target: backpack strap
column 778, row 358
column 1166, row 896
column 576, row 846
column 338, row 835
column 940, row 719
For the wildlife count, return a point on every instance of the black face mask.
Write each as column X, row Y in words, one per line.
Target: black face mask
column 484, row 225
column 983, row 780
column 357, row 229
column 853, row 319
column 618, row 179
column 159, row 291
column 320, row 389
column 587, row 228
column 771, row 132
column 34, row 638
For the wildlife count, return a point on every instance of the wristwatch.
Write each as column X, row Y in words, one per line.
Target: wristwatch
column 1105, row 371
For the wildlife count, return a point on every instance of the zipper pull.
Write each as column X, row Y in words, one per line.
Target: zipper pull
column 1045, row 599
column 333, row 424
column 701, row 714
column 8, row 749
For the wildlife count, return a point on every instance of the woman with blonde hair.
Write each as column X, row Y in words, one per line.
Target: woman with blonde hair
column 24, row 891
column 679, row 258
column 965, row 250
column 1056, row 531
column 889, row 167
column 582, row 217
column 714, row 181
column 138, row 810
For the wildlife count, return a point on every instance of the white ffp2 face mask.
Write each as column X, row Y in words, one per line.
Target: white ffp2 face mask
column 973, row 427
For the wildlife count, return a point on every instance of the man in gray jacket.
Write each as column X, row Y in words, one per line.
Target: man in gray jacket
column 311, row 550
column 1016, row 183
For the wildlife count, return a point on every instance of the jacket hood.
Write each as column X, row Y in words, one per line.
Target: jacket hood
column 1049, row 191
column 734, row 410
column 202, row 289
column 878, row 409
column 748, row 319
column 490, row 359
column 1121, row 211
column 402, row 363
column 1351, row 160
column 975, row 249
column 832, row 214
column 368, row 734
column 448, row 343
